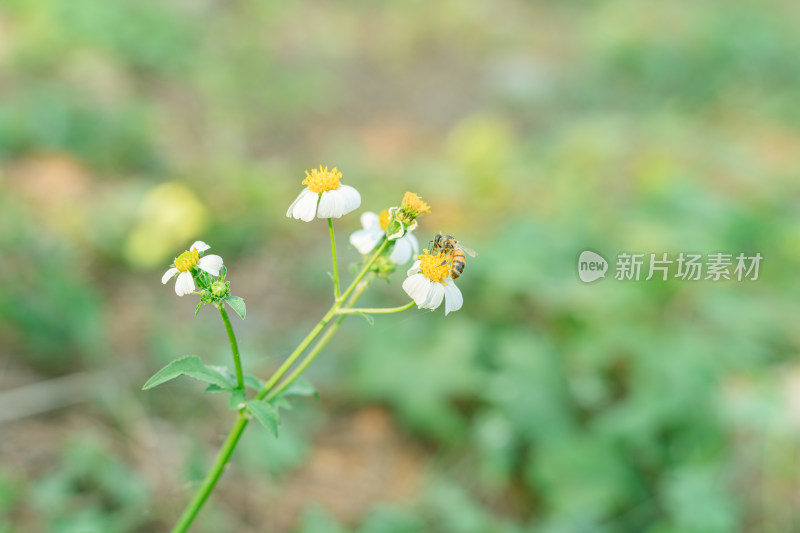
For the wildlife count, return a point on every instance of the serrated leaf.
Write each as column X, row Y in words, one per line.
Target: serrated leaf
column 237, row 304
column 188, row 365
column 266, row 414
column 253, row 382
column 300, row 387
column 237, row 399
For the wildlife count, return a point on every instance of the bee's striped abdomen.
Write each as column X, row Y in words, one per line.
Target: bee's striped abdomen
column 458, row 264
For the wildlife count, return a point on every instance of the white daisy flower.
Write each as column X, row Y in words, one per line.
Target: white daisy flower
column 429, row 282
column 324, row 196
column 186, row 262
column 365, row 240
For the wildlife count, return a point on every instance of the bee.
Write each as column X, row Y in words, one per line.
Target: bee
column 448, row 245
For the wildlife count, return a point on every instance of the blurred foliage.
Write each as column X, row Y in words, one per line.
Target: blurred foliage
column 535, row 130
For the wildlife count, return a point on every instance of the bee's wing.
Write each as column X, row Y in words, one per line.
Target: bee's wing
column 468, row 251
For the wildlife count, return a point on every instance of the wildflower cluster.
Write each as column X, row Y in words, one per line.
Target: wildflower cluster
column 386, row 239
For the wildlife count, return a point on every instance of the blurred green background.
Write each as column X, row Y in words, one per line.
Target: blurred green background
column 535, row 130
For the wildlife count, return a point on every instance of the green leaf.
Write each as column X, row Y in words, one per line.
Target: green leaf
column 300, row 387
column 216, row 389
column 368, row 318
column 253, row 382
column 188, row 365
column 281, row 403
column 197, row 309
column 237, row 399
column 266, row 414
column 237, row 304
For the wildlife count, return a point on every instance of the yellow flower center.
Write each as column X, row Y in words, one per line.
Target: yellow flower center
column 434, row 267
column 187, row 260
column 383, row 219
column 322, row 180
column 413, row 204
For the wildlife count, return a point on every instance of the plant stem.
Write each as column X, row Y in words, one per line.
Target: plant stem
column 320, row 325
column 234, row 347
column 323, row 340
column 373, row 311
column 296, row 353
column 336, row 291
column 320, row 344
column 232, row 440
column 213, row 475
column 364, row 270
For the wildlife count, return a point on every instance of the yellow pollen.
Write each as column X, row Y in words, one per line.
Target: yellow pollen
column 187, row 260
column 383, row 219
column 412, row 202
column 322, row 180
column 434, row 267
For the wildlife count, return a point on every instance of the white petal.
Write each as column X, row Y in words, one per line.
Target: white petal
column 452, row 297
column 404, row 248
column 435, row 296
column 200, row 245
column 414, row 243
column 305, row 206
column 370, row 220
column 211, row 264
column 365, row 240
column 417, row 287
column 184, row 284
column 350, row 197
column 414, row 268
column 168, row 274
column 330, row 205
column 291, row 207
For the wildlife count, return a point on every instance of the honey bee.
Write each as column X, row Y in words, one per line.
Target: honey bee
column 447, row 244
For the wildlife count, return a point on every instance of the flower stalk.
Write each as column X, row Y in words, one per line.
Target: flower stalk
column 320, row 344
column 237, row 362
column 335, row 263
column 375, row 311
column 210, row 481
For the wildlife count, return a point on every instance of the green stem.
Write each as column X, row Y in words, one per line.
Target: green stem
column 320, row 325
column 323, row 340
column 213, row 475
column 297, row 352
column 374, row 311
column 320, row 344
column 364, row 270
column 234, row 347
column 335, row 263
column 225, row 453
